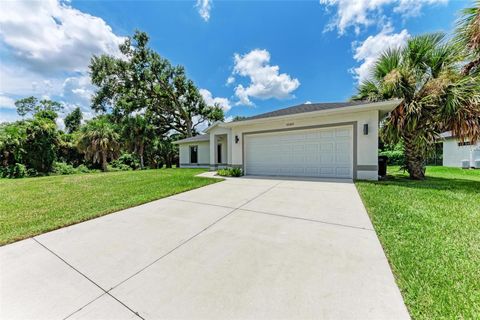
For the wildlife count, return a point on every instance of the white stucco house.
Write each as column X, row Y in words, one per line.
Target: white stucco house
column 458, row 153
column 328, row 140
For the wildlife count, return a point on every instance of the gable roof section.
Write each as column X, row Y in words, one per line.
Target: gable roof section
column 303, row 108
column 199, row 138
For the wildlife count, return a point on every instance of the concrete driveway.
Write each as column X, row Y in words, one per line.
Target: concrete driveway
column 246, row 248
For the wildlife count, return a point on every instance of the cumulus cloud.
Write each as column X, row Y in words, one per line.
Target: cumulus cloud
column 6, row 102
column 204, row 7
column 308, row 102
column 224, row 103
column 48, row 46
column 370, row 49
column 363, row 13
column 51, row 36
column 266, row 81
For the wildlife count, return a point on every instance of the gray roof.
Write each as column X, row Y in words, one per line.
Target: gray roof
column 302, row 108
column 199, row 138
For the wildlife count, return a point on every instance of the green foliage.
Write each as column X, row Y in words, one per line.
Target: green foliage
column 426, row 74
column 127, row 161
column 394, row 157
column 143, row 81
column 40, row 144
column 32, row 105
column 100, row 141
column 63, row 168
column 230, row 172
column 73, row 120
column 17, row 170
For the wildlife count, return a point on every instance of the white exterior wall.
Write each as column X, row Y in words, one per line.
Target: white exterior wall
column 203, row 154
column 367, row 145
column 453, row 154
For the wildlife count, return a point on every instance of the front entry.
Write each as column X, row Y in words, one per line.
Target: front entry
column 219, row 153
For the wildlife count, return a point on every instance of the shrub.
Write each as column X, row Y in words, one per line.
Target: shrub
column 395, row 157
column 230, row 172
column 129, row 160
column 83, row 169
column 61, row 168
column 17, row 170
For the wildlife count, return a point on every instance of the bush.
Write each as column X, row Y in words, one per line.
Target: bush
column 395, row 157
column 61, row 168
column 17, row 170
column 230, row 172
column 127, row 159
column 83, row 169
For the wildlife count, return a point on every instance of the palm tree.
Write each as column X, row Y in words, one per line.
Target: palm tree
column 99, row 141
column 136, row 131
column 468, row 37
column 436, row 97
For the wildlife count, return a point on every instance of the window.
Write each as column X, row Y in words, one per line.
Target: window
column 193, row 154
column 465, row 143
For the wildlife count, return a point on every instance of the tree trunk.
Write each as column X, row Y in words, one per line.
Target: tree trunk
column 104, row 162
column 140, row 152
column 414, row 159
column 469, row 66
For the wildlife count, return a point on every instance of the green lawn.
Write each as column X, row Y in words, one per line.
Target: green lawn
column 36, row 205
column 430, row 231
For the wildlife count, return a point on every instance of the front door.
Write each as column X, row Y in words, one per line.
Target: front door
column 219, row 153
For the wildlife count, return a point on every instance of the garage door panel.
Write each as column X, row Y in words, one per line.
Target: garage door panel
column 324, row 152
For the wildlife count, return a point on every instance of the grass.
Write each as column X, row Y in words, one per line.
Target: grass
column 430, row 231
column 32, row 206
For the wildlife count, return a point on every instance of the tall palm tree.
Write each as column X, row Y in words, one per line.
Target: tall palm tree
column 468, row 37
column 137, row 132
column 99, row 141
column 436, row 97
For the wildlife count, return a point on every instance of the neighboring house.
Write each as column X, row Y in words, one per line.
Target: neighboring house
column 328, row 140
column 458, row 154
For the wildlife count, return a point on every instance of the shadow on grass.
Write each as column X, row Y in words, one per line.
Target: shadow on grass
column 433, row 183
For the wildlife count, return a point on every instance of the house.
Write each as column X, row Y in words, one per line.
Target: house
column 458, row 153
column 328, row 140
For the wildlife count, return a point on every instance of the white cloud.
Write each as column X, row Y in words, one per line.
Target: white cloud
column 363, row 13
column 308, row 102
column 204, row 7
column 224, row 103
column 6, row 102
column 266, row 81
column 230, row 80
column 48, row 47
column 51, row 36
column 371, row 48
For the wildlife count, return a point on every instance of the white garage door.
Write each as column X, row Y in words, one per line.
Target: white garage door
column 324, row 153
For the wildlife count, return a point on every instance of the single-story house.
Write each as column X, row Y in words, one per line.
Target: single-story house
column 460, row 154
column 327, row 140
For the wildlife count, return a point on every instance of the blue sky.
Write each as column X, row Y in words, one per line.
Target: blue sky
column 275, row 53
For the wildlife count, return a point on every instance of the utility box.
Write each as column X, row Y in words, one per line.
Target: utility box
column 382, row 166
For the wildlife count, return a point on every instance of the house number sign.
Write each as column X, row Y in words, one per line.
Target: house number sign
column 289, row 124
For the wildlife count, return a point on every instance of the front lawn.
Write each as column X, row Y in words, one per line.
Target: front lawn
column 32, row 206
column 430, row 231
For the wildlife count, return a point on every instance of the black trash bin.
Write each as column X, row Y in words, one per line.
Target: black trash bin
column 382, row 166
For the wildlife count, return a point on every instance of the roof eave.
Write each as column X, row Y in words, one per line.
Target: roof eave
column 385, row 106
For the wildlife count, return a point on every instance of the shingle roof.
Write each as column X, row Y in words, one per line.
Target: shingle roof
column 302, row 108
column 201, row 137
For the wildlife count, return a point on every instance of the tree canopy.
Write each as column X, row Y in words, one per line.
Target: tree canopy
column 143, row 81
